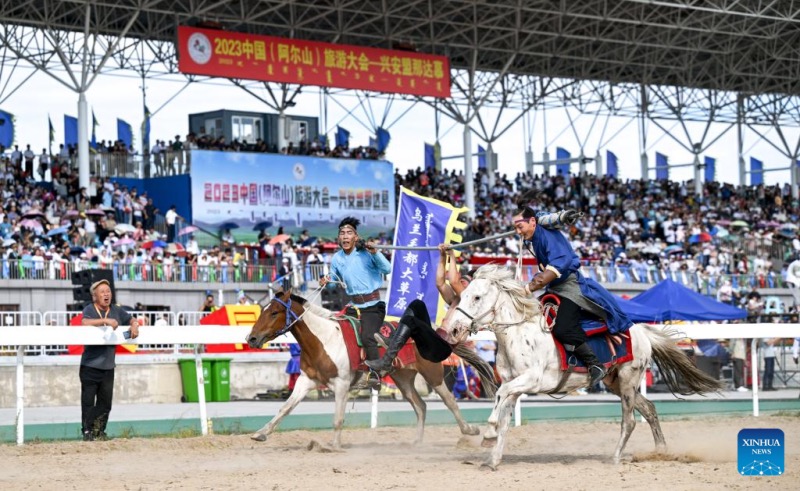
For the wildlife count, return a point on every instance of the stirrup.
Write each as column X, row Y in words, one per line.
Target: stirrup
column 378, row 367
column 369, row 382
column 374, row 380
column 382, row 341
column 596, row 374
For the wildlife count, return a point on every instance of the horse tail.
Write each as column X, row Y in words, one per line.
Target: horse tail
column 484, row 370
column 680, row 374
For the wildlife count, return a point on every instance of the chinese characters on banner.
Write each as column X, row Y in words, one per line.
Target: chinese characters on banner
column 273, row 59
column 420, row 222
column 289, row 191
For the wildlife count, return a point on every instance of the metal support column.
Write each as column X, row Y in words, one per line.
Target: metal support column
column 491, row 164
column 698, row 184
column 529, row 161
column 582, row 164
column 546, row 159
column 469, row 179
column 281, row 130
column 740, row 139
column 83, row 141
column 598, row 163
column 645, row 167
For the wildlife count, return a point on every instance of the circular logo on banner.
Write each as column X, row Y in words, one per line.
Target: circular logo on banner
column 199, row 48
column 299, row 171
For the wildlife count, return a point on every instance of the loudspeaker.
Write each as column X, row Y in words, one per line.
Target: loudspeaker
column 83, row 280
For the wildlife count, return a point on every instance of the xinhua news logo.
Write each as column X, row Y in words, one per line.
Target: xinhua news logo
column 761, row 452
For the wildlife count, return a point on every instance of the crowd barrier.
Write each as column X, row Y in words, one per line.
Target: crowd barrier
column 267, row 272
column 29, row 269
column 22, row 336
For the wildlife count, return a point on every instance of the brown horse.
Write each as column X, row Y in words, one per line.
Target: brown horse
column 324, row 361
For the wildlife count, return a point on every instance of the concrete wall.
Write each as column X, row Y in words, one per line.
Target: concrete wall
column 55, row 295
column 54, row 382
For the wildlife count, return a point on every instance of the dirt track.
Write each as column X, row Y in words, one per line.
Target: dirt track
column 702, row 455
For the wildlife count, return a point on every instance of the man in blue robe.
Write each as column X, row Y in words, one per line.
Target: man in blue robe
column 560, row 274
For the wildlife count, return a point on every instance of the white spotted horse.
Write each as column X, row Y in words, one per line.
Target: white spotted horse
column 529, row 358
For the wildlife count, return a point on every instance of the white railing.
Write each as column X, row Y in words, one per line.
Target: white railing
column 27, row 335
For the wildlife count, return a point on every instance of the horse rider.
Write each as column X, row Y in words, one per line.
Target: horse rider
column 560, row 274
column 361, row 267
column 416, row 323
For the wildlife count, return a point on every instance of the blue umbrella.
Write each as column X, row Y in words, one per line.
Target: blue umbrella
column 262, row 226
column 58, row 231
column 76, row 251
column 229, row 226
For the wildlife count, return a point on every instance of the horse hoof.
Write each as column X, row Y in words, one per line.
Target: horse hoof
column 471, row 430
column 488, row 442
column 489, row 465
column 259, row 437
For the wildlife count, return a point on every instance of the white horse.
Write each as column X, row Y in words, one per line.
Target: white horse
column 528, row 360
column 324, row 361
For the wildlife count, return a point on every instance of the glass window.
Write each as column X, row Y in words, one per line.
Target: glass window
column 245, row 129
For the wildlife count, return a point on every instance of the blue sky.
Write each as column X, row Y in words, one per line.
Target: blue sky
column 114, row 96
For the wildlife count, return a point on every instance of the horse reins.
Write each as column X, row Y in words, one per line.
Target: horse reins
column 474, row 328
column 290, row 313
column 473, row 321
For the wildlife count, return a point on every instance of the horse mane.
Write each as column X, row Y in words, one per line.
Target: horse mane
column 313, row 308
column 504, row 279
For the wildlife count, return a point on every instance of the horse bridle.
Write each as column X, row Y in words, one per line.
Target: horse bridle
column 473, row 321
column 289, row 315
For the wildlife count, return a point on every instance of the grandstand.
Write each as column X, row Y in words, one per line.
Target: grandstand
column 650, row 62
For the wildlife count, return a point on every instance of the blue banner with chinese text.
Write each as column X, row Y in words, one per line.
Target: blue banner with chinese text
column 420, row 222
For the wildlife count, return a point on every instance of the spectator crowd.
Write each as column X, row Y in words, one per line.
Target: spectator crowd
column 631, row 230
column 639, row 230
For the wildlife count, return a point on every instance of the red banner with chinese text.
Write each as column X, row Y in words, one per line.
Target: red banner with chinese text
column 273, row 59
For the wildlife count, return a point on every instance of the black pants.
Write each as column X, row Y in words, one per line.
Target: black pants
column 769, row 372
column 429, row 344
column 371, row 321
column 97, row 390
column 567, row 329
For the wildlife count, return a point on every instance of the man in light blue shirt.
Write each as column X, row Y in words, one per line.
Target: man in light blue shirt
column 361, row 269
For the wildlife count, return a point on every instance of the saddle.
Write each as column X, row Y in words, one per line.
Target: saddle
column 610, row 349
column 351, row 332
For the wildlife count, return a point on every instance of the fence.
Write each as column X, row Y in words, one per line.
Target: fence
column 28, row 269
column 27, row 335
column 266, row 272
column 64, row 317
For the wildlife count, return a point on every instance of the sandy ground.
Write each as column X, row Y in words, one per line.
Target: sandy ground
column 575, row 456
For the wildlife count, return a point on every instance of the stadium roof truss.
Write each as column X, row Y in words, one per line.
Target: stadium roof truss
column 728, row 61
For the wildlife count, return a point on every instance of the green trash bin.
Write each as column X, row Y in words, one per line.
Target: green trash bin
column 189, row 377
column 221, row 379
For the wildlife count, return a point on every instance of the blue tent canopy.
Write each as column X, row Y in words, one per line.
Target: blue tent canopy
column 634, row 309
column 669, row 300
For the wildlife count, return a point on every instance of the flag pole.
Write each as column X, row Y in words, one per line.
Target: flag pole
column 452, row 246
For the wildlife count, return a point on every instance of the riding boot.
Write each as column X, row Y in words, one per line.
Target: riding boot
column 596, row 371
column 398, row 339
